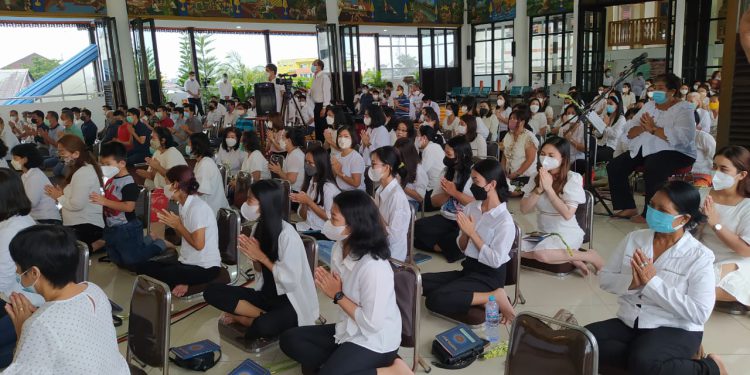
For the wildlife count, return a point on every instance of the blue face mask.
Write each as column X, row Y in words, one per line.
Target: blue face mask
column 660, row 97
column 693, row 106
column 27, row 289
column 661, row 222
column 611, row 108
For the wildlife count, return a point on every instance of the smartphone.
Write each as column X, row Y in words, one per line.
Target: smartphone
column 277, row 159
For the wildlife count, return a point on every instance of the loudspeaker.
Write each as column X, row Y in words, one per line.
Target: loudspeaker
column 265, row 98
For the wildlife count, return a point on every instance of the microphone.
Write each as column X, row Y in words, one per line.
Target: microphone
column 640, row 60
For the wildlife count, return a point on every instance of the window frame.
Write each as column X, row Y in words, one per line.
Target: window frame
column 496, row 29
column 566, row 36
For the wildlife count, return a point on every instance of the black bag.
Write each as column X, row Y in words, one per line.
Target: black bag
column 202, row 362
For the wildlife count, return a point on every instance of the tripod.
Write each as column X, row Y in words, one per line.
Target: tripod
column 289, row 98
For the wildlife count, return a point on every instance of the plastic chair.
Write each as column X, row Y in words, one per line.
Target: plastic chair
column 408, row 286
column 465, row 91
column 474, row 91
column 484, row 92
column 535, row 347
column 148, row 326
column 82, row 271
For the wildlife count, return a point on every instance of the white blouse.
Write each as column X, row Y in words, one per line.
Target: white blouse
column 76, row 206
column 351, row 164
column 256, row 162
column 396, row 211
column 231, row 159
column 294, row 162
column 168, row 159
column 42, row 206
column 378, row 138
column 514, row 150
column 479, row 147
column 313, row 221
column 8, row 283
column 420, row 183
column 538, row 122
column 432, row 163
column 211, row 185
column 196, row 214
column 497, row 230
column 612, row 133
column 705, row 146
column 678, row 123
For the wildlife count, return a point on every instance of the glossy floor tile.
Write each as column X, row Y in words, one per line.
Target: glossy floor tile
column 725, row 334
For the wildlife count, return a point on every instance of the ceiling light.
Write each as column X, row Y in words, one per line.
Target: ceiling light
column 238, row 27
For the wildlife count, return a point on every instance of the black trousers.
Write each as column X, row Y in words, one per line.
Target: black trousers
column 657, row 169
column 174, row 273
column 315, row 349
column 87, row 233
column 662, row 351
column 279, row 314
column 451, row 292
column 579, row 166
column 196, row 103
column 428, row 207
column 437, row 230
column 320, row 122
column 604, row 154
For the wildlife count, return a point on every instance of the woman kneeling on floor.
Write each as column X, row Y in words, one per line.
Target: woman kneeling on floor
column 286, row 297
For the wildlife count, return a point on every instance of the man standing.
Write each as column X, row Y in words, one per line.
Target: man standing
column 320, row 93
column 225, row 89
column 193, row 89
column 271, row 71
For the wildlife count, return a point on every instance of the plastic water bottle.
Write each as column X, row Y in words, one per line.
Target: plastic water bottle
column 492, row 321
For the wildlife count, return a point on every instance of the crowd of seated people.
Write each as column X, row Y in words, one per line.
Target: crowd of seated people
column 359, row 188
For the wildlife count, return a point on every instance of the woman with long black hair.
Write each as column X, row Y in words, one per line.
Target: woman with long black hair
column 438, row 233
column 316, row 198
column 391, row 199
column 413, row 177
column 287, row 297
column 614, row 118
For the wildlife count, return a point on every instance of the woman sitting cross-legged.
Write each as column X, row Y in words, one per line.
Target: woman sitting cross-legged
column 287, row 296
column 199, row 260
column 487, row 234
column 556, row 193
column 316, row 198
column 368, row 334
column 664, row 280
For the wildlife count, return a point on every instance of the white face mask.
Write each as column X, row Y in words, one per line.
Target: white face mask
column 464, row 109
column 448, row 112
column 282, row 144
column 549, row 163
column 333, row 232
column 375, row 96
column 329, row 120
column 534, row 108
column 722, row 181
column 240, row 112
column 684, row 91
column 416, row 92
column 109, row 171
column 500, row 102
column 250, row 213
column 650, row 94
column 168, row 192
column 231, row 142
column 16, row 165
column 375, row 174
column 367, row 121
column 625, row 90
column 344, row 143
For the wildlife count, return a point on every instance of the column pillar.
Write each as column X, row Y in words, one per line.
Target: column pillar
column 466, row 61
column 679, row 38
column 119, row 11
column 523, row 46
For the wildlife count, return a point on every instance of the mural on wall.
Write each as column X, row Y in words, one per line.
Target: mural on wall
column 269, row 10
column 56, row 6
column 482, row 11
column 542, row 7
column 401, row 11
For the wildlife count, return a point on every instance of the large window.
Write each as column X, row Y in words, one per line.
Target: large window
column 551, row 52
column 399, row 56
column 493, row 54
column 294, row 54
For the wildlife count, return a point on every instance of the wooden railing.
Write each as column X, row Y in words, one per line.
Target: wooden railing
column 638, row 32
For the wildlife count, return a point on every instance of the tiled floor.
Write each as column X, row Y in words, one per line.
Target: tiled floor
column 726, row 335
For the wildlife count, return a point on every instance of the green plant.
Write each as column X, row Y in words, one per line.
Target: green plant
column 374, row 78
column 208, row 65
column 41, row 66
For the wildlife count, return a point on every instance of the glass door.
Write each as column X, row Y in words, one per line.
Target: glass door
column 328, row 53
column 591, row 50
column 146, row 61
column 108, row 65
column 351, row 70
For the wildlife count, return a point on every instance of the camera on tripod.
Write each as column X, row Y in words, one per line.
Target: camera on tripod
column 286, row 80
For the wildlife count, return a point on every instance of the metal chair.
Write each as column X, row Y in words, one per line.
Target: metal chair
column 143, row 208
column 82, row 271
column 410, row 237
column 149, row 326
column 493, row 150
column 408, row 286
column 541, row 345
column 224, row 177
column 241, row 187
column 287, row 203
column 313, row 143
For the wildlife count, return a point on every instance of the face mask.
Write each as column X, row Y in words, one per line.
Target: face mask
column 310, row 170
column 684, row 92
column 448, row 112
column 500, row 103
column 188, row 149
column 367, row 121
column 130, row 119
column 330, row 120
column 14, row 118
column 16, row 165
column 611, row 108
column 375, row 174
column 464, row 109
column 46, row 122
column 155, row 144
column 160, row 115
column 416, row 92
column 607, row 74
column 282, row 144
column 69, row 160
column 695, row 87
column 512, row 124
column 693, row 106
column 240, row 112
column 314, row 68
column 250, row 213
column 399, row 92
column 549, row 163
column 660, row 97
column 714, row 106
column 231, row 142
column 269, row 125
column 175, row 117
column 375, row 96
column 344, row 143
column 109, row 171
column 600, row 92
column 650, row 94
column 144, row 119
column 461, row 129
column 534, row 108
column 661, row 222
column 29, row 289
column 722, row 181
column 702, row 94
column 483, row 112
column 478, row 192
column 365, row 91
column 625, row 90
column 449, row 162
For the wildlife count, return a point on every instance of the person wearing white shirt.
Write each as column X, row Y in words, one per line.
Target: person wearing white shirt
column 427, row 102
column 705, row 147
column 391, row 199
column 704, row 117
column 628, row 98
column 573, row 133
column 519, row 147
column 271, row 71
column 477, row 142
column 608, row 79
column 214, row 116
column 72, row 332
column 451, row 121
column 212, row 189
column 661, row 139
column 26, row 158
column 415, row 101
column 286, row 297
column 614, row 118
column 486, row 238
column 431, row 162
column 320, row 94
column 489, row 120
column 412, row 176
column 255, row 163
column 225, row 89
column 165, row 156
column 193, row 89
column 7, row 136
column 502, row 112
column 367, row 334
column 84, row 178
column 230, row 118
column 316, row 197
column 538, row 120
column 664, row 281
column 230, row 155
column 376, row 135
column 348, row 165
column 293, row 169
column 199, row 261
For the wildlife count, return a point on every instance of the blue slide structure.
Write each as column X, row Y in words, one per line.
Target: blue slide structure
column 57, row 76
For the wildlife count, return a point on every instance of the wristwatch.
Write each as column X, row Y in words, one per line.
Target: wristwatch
column 717, row 227
column 338, row 297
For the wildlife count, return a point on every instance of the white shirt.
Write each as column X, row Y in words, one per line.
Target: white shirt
column 168, row 159
column 432, row 162
column 705, row 146
column 42, row 206
column 420, row 183
column 628, row 100
column 705, row 120
column 313, row 221
column 196, row 214
column 192, row 85
column 211, row 185
column 497, row 230
column 294, row 162
column 396, row 211
column 73, row 336
column 734, row 219
column 351, row 164
column 76, row 205
column 233, row 158
column 678, row 123
column 369, row 284
column 415, row 105
column 612, row 133
column 492, row 124
column 256, row 162
column 607, row 80
column 230, row 118
column 538, row 122
column 9, row 139
column 378, row 138
column 681, row 295
column 479, row 146
column 8, row 283
column 482, row 129
column 320, row 90
column 279, row 95
column 514, row 150
column 577, row 135
column 214, row 117
column 451, row 125
column 225, row 89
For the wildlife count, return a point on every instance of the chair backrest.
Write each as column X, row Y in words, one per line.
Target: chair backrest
column 228, row 222
column 148, row 324
column 516, row 90
column 513, row 270
column 241, row 187
column 224, row 177
column 408, row 286
column 287, row 203
column 465, row 90
column 585, row 218
column 312, row 143
column 410, row 236
column 143, row 207
column 311, row 248
column 493, row 149
column 82, row 272
column 474, row 91
column 541, row 345
column 455, row 91
column 484, row 91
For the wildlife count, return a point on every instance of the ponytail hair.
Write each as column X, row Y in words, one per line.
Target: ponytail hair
column 185, row 179
column 389, row 156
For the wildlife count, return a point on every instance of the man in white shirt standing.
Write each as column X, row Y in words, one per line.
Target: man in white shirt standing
column 271, row 71
column 225, row 89
column 320, row 93
column 193, row 89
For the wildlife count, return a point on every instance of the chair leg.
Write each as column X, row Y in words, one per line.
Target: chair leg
column 424, row 364
column 521, row 298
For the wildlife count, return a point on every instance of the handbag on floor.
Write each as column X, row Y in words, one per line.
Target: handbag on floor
column 457, row 348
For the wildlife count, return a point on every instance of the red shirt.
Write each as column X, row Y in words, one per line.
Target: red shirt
column 124, row 135
column 166, row 123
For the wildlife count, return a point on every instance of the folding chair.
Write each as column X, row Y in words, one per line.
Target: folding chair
column 493, row 149
column 148, row 326
column 542, row 345
column 224, row 177
column 585, row 218
column 143, row 208
column 82, row 271
column 241, row 187
column 408, row 284
column 287, row 203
